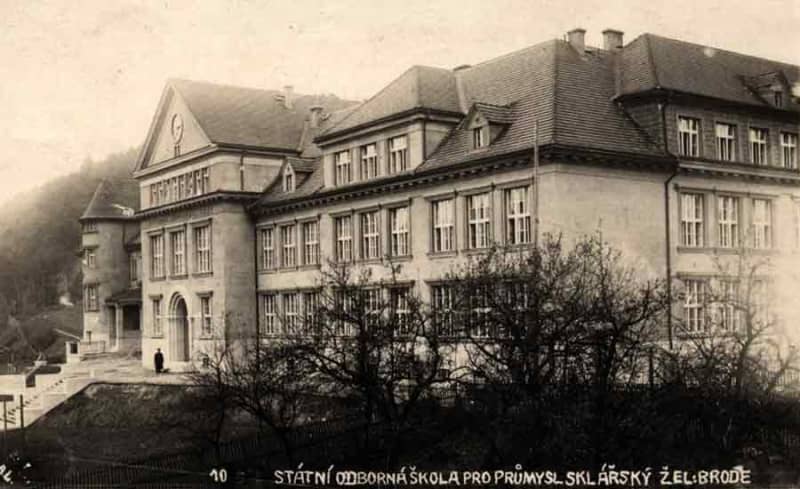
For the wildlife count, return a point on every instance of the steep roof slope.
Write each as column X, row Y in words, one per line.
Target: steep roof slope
column 569, row 95
column 420, row 87
column 111, row 198
column 249, row 116
column 651, row 61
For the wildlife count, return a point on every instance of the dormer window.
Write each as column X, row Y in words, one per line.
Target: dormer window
column 288, row 179
column 369, row 162
column 478, row 139
column 778, row 98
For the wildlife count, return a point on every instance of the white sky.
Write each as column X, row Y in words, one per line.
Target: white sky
column 82, row 79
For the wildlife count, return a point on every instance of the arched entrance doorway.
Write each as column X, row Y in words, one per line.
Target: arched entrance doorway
column 179, row 330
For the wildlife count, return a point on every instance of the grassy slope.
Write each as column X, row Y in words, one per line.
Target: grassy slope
column 38, row 331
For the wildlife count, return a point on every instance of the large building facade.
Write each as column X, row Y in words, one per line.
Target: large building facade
column 680, row 155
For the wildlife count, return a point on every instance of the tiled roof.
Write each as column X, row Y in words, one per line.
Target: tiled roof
column 570, row 96
column 420, row 87
column 249, row 116
column 499, row 114
column 111, row 199
column 302, row 164
column 651, row 61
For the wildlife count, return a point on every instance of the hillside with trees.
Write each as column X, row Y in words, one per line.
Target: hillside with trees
column 39, row 242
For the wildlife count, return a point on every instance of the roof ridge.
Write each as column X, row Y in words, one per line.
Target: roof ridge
column 727, row 51
column 509, row 54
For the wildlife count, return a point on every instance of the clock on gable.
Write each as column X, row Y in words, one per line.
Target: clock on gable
column 177, row 128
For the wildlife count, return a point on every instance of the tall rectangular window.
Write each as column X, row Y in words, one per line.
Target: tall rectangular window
column 205, row 315
column 157, row 328
column 270, row 316
column 202, row 249
column 728, row 310
column 398, row 221
column 134, row 264
column 268, row 248
column 91, row 257
column 178, row 243
column 789, row 150
column 291, row 313
column 689, row 136
column 342, row 167
column 726, row 141
column 443, row 213
column 762, row 223
column 310, row 310
column 400, row 297
column 442, row 304
column 694, row 306
column 759, row 302
column 369, row 162
column 728, row 221
column 91, row 302
column 692, row 231
column 311, row 243
column 478, row 140
column 288, row 246
column 479, row 313
column 157, row 255
column 373, row 305
column 479, row 220
column 398, row 154
column 370, row 237
column 759, row 154
column 343, row 231
column 518, row 216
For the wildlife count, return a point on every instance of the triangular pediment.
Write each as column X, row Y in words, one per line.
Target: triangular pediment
column 174, row 131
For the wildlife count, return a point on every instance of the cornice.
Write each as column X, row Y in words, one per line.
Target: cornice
column 216, row 196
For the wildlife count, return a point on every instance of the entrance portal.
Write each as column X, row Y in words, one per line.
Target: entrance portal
column 179, row 334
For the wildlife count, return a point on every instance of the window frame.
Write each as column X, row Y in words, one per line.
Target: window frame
column 762, row 230
column 399, row 236
column 695, row 300
column 727, row 142
column 397, row 156
column 271, row 321
column 759, row 146
column 369, row 235
column 698, row 223
column 288, row 258
column 368, row 163
column 441, row 228
column 483, row 222
column 206, row 251
column 91, row 297
column 789, row 143
column 343, row 242
column 517, row 224
column 177, row 254
column 342, row 168
column 729, row 228
column 693, row 134
column 311, row 252
column 158, row 269
column 268, row 261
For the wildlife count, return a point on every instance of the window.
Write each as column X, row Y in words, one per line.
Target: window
column 518, row 216
column 370, row 238
column 310, row 308
column 401, row 309
column 692, row 231
column 267, row 248
column 369, row 162
column 442, row 305
column 344, row 238
column 762, row 223
column 291, row 314
column 289, row 246
column 398, row 154
column 478, row 220
column 728, row 221
column 789, row 150
column 91, row 258
column 157, row 331
column 777, row 97
column 694, row 306
column 341, row 163
column 443, row 225
column 479, row 313
column 759, row 302
column 311, row 243
column 372, row 305
column 202, row 249
column 398, row 222
column 205, row 315
column 288, row 179
column 343, row 303
column 178, row 243
column 727, row 310
column 726, row 141
column 477, row 138
column 270, row 317
column 89, row 227
column 689, row 136
column 758, row 146
column 157, row 255
column 134, row 263
column 90, row 300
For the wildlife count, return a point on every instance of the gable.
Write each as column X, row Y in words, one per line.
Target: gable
column 161, row 145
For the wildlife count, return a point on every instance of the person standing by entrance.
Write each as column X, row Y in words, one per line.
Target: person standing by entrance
column 158, row 359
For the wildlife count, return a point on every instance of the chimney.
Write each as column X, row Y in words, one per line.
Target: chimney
column 612, row 40
column 288, row 95
column 576, row 38
column 315, row 116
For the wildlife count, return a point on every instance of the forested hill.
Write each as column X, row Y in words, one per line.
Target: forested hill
column 40, row 238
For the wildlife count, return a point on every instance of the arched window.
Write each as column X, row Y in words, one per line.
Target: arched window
column 288, row 179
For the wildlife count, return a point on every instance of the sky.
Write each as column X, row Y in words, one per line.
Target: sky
column 82, row 79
